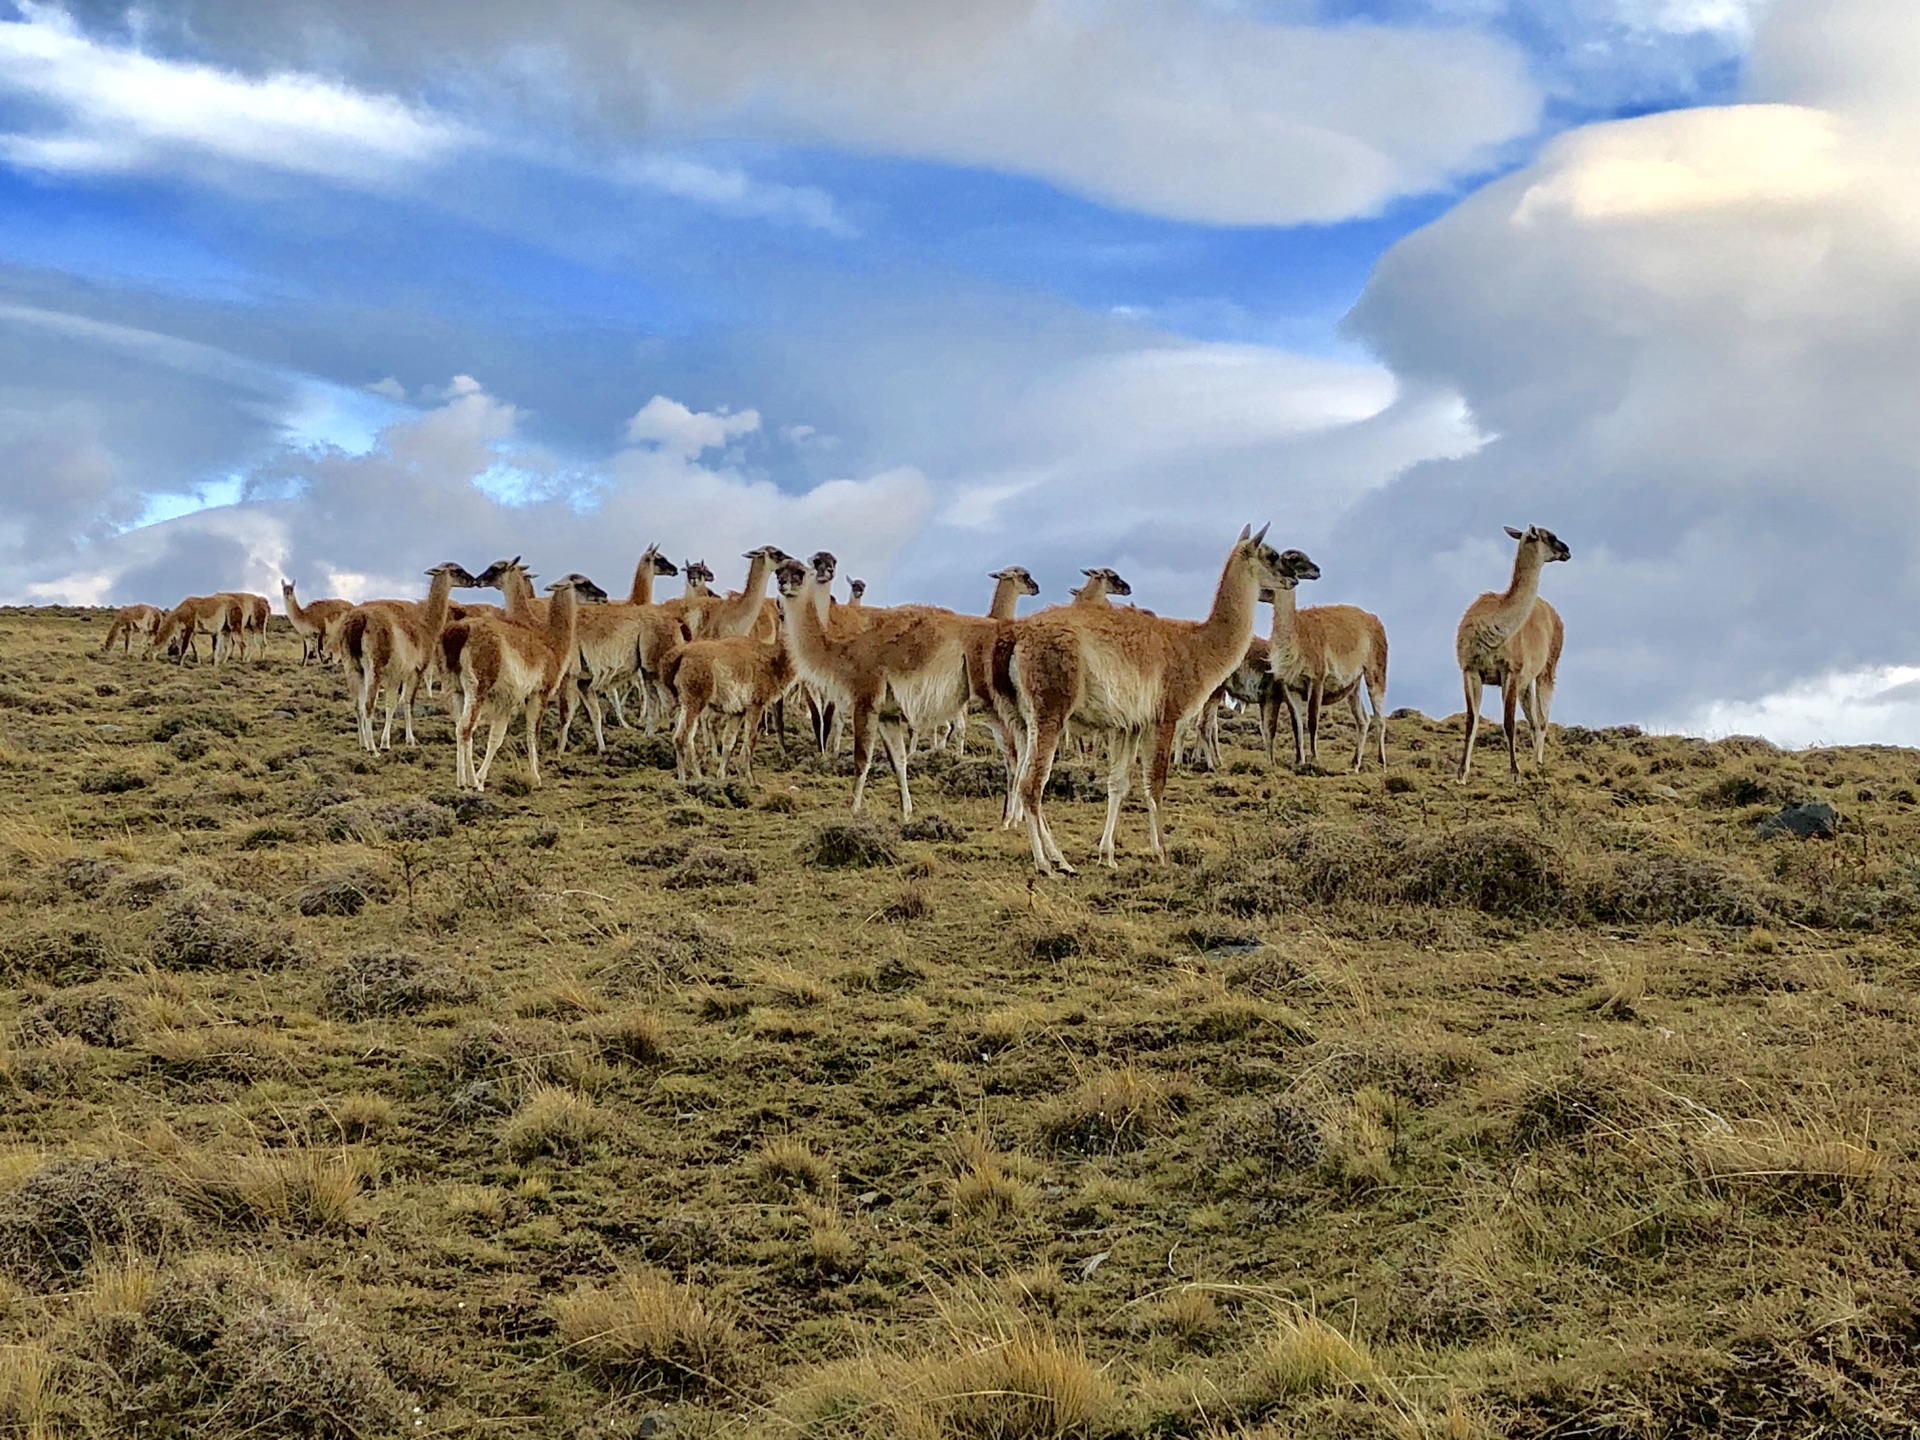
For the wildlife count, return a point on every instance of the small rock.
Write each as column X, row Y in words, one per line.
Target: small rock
column 1814, row 820
column 110, row 729
column 1665, row 792
column 285, row 715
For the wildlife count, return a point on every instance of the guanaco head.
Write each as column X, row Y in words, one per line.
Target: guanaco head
column 824, row 566
column 858, row 587
column 581, row 586
column 286, row 587
column 661, row 565
column 790, row 576
column 699, row 574
column 1111, row 579
column 455, row 572
column 772, row 554
column 1551, row 544
column 1270, row 569
column 1024, row 582
column 490, row 578
column 1294, row 567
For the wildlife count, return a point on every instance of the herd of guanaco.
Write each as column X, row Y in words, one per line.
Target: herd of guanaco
column 714, row 665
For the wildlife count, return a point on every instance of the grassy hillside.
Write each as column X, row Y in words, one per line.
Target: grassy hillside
column 338, row 1104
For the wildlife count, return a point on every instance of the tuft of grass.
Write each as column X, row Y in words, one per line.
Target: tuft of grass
column 785, row 1163
column 632, row 1034
column 1189, row 1315
column 1301, row 1355
column 1109, row 1111
column 553, row 1120
column 59, row 1219
column 388, row 981
column 298, row 1189
column 361, row 1114
column 1792, row 1162
column 792, row 987
column 645, row 1331
column 706, row 865
column 26, row 1390
column 856, row 843
column 206, row 931
column 983, row 1188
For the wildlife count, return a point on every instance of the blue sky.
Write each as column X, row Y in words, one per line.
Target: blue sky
column 325, row 285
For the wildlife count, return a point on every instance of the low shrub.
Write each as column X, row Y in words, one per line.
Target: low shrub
column 856, row 843
column 207, row 931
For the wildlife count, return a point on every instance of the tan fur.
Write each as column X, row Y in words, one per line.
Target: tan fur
column 734, row 679
column 254, row 612
column 1131, row 674
column 904, row 669
column 316, row 623
column 132, row 620
column 218, row 616
column 620, row 644
column 1512, row 639
column 741, row 612
column 386, row 648
column 690, row 606
column 503, row 666
column 1324, row 654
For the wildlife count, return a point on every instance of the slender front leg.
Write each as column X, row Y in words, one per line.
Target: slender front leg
column 1509, row 698
column 1123, row 746
column 1472, row 683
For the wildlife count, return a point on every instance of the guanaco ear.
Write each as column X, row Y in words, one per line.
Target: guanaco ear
column 1245, row 531
column 1261, row 537
column 1516, row 534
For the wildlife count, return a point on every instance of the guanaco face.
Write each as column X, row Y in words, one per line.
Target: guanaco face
column 1022, row 581
column 1551, row 546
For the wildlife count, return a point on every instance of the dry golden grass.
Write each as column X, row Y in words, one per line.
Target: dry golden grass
column 1564, row 1105
column 553, row 1120
column 646, row 1330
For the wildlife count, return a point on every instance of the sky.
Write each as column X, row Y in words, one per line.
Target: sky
column 334, row 290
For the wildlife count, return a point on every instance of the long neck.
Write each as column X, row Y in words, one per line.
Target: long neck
column 1006, row 599
column 756, row 586
column 1286, row 609
column 642, row 592
column 433, row 610
column 562, row 615
column 822, row 603
column 518, row 591
column 1516, row 601
column 1229, row 624
column 295, row 611
column 801, row 623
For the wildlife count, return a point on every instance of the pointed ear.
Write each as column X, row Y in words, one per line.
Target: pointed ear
column 1261, row 537
column 1516, row 534
column 1245, row 531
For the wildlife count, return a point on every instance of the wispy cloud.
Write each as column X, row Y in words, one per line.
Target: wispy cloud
column 96, row 107
column 730, row 190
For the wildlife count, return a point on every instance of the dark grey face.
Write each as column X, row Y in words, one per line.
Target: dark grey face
column 1556, row 548
column 790, row 576
column 859, row 588
column 698, row 570
column 1297, row 565
column 490, row 578
column 581, row 586
column 772, row 553
column 662, row 565
column 1116, row 582
column 824, row 566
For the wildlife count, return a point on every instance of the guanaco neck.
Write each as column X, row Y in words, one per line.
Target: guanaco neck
column 1516, row 601
column 1006, row 599
column 740, row 621
column 804, row 629
column 642, row 592
column 518, row 591
column 433, row 610
column 1286, row 613
column 563, row 614
column 1229, row 624
column 296, row 612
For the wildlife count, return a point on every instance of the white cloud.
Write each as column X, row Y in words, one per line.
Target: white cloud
column 1205, row 113
column 368, row 524
column 676, row 430
column 1696, row 337
column 730, row 190
column 110, row 108
column 1876, row 705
